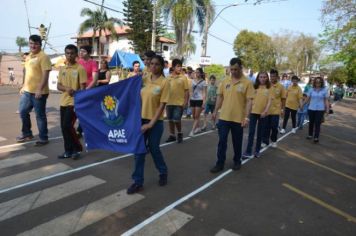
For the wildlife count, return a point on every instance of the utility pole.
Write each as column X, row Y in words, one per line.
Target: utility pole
column 154, row 26
column 204, row 43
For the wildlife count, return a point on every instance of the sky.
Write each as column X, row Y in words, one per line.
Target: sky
column 64, row 16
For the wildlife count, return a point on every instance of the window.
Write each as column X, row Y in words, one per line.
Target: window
column 165, row 48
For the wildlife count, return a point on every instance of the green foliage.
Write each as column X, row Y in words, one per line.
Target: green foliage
column 256, row 50
column 215, row 69
column 138, row 15
column 338, row 75
column 21, row 42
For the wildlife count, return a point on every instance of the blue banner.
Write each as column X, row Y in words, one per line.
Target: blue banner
column 110, row 116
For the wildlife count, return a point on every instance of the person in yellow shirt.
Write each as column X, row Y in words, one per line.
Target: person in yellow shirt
column 147, row 61
column 260, row 105
column 154, row 96
column 71, row 78
column 275, row 111
column 135, row 71
column 234, row 97
column 293, row 102
column 178, row 99
column 34, row 92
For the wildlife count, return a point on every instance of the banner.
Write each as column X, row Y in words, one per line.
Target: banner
column 110, row 116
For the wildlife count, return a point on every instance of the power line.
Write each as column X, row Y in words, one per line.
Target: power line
column 109, row 8
column 229, row 23
column 222, row 40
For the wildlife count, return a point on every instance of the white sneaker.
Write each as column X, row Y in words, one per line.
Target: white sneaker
column 274, row 144
column 294, row 130
column 283, row 131
column 191, row 134
column 263, row 145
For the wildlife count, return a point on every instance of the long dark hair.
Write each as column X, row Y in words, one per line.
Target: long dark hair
column 201, row 72
column 161, row 62
column 322, row 82
column 257, row 81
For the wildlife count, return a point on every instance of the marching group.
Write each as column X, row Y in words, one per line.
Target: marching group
column 235, row 103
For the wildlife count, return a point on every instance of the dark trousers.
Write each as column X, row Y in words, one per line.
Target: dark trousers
column 224, row 127
column 315, row 118
column 289, row 112
column 271, row 129
column 261, row 127
column 71, row 140
column 152, row 138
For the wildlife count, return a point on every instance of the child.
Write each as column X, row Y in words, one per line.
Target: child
column 302, row 112
column 71, row 77
column 211, row 100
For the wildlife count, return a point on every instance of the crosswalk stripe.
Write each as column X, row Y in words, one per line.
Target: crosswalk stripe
column 224, row 232
column 12, row 149
column 80, row 218
column 26, row 176
column 32, row 201
column 165, row 225
column 18, row 160
column 2, row 139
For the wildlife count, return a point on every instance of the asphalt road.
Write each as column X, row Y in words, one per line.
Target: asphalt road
column 300, row 188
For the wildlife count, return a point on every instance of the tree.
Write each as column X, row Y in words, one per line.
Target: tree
column 338, row 75
column 339, row 36
column 98, row 21
column 215, row 69
column 183, row 14
column 138, row 15
column 21, row 42
column 256, row 50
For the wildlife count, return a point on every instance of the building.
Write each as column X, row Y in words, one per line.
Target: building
column 109, row 44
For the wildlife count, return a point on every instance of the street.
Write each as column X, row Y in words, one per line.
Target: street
column 299, row 188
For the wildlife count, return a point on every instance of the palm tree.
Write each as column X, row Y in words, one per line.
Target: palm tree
column 21, row 42
column 183, row 14
column 98, row 21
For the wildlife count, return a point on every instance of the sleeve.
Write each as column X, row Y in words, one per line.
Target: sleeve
column 283, row 93
column 186, row 86
column 82, row 75
column 165, row 92
column 46, row 63
column 220, row 88
column 94, row 66
column 60, row 76
column 300, row 93
column 250, row 91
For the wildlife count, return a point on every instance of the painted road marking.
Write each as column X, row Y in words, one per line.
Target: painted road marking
column 32, row 201
column 23, row 177
column 224, row 232
column 165, row 225
column 296, row 155
column 18, row 160
column 80, row 218
column 321, row 203
column 2, row 139
column 340, row 140
column 12, row 149
column 16, row 145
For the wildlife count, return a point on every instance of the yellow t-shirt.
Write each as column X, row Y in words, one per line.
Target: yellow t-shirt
column 152, row 94
column 235, row 97
column 294, row 94
column 177, row 87
column 260, row 99
column 278, row 93
column 71, row 76
column 190, row 81
column 35, row 64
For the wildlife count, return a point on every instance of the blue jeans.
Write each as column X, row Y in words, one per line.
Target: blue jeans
column 301, row 118
column 153, row 138
column 261, row 127
column 271, row 129
column 27, row 102
column 224, row 128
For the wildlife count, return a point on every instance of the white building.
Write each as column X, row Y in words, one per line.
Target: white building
column 109, row 45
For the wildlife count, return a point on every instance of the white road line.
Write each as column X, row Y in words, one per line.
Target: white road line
column 37, row 199
column 18, row 160
column 2, row 139
column 80, row 218
column 224, row 232
column 166, row 225
column 23, row 177
column 23, row 144
column 78, row 169
column 9, row 148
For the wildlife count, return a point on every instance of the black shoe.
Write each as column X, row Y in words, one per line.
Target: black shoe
column 65, row 155
column 316, row 140
column 171, row 138
column 41, row 143
column 76, row 155
column 180, row 137
column 309, row 137
column 162, row 180
column 236, row 166
column 134, row 188
column 22, row 138
column 216, row 169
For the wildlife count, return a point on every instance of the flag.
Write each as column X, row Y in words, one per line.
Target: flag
column 110, row 116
